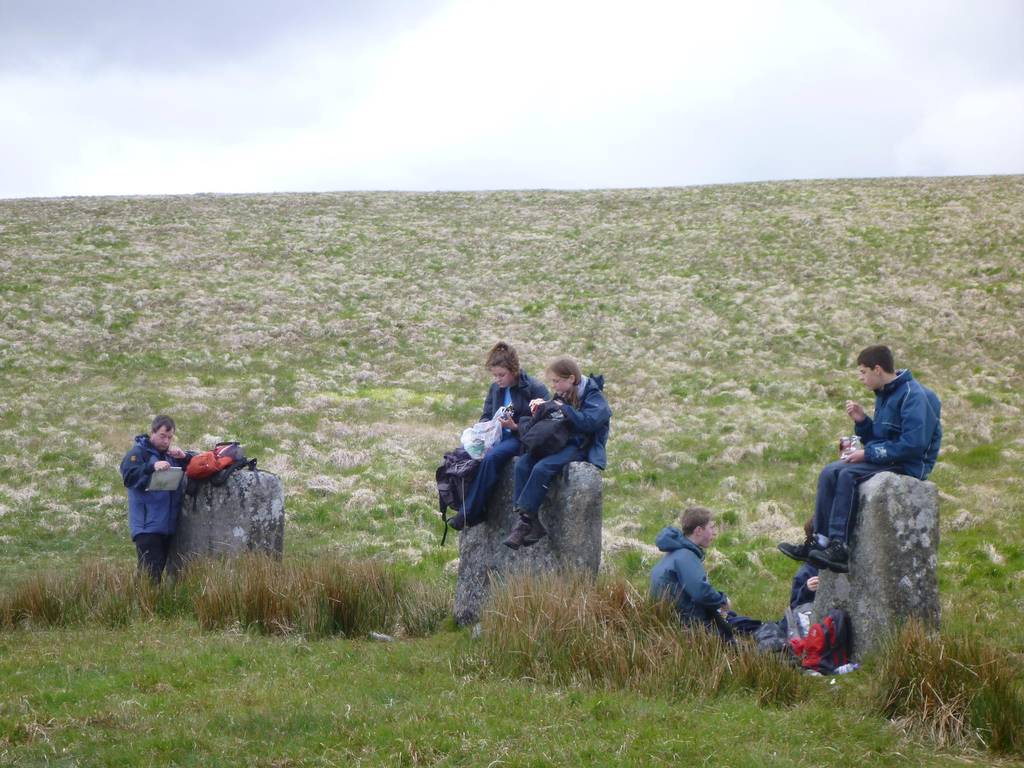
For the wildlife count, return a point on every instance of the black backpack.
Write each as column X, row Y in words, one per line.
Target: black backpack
column 546, row 432
column 453, row 477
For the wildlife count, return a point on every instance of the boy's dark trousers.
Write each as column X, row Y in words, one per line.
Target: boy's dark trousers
column 837, row 493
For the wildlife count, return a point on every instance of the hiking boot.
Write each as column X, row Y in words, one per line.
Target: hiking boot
column 835, row 557
column 800, row 552
column 537, row 531
column 457, row 521
column 517, row 537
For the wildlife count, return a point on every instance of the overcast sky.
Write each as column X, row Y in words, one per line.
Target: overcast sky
column 117, row 97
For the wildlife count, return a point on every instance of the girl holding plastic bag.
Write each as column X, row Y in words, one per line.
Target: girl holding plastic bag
column 512, row 391
column 585, row 408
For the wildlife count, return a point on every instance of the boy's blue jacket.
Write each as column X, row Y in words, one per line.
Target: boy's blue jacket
column 523, row 391
column 592, row 419
column 149, row 511
column 680, row 575
column 906, row 428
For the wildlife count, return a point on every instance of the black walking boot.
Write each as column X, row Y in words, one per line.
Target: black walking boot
column 800, row 552
column 835, row 557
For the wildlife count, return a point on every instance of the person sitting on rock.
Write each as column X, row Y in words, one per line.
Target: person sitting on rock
column 680, row 576
column 583, row 405
column 903, row 437
column 805, row 580
column 512, row 386
column 153, row 514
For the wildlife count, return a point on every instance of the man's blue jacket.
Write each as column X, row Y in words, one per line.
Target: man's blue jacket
column 680, row 575
column 592, row 420
column 906, row 430
column 149, row 511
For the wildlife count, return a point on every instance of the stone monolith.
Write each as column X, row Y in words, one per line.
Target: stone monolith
column 572, row 513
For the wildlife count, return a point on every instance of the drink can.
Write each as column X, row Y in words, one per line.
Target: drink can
column 845, row 445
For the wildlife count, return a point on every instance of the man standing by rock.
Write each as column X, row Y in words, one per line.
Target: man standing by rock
column 153, row 513
column 903, row 437
column 680, row 574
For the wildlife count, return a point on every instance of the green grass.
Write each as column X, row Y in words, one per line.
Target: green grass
column 341, row 337
column 156, row 693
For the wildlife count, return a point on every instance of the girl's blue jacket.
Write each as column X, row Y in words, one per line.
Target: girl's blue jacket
column 523, row 391
column 592, row 420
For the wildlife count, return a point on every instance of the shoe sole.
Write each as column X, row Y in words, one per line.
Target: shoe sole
column 820, row 562
column 791, row 556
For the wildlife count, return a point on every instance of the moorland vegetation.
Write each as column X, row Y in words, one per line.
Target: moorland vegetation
column 341, row 338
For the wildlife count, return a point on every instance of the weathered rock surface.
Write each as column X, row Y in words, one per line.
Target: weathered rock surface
column 572, row 513
column 893, row 557
column 246, row 514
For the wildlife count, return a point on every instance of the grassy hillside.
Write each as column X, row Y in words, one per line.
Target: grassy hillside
column 341, row 338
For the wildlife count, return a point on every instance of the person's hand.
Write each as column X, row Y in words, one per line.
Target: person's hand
column 812, row 583
column 176, row 453
column 508, row 424
column 854, row 457
column 855, row 411
column 536, row 403
column 160, row 466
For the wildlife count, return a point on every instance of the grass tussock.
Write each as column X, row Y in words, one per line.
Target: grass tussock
column 312, row 598
column 99, row 593
column 958, row 690
column 568, row 630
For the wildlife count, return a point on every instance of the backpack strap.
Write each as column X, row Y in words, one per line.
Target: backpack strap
column 222, row 477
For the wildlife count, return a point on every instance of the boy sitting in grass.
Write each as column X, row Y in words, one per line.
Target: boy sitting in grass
column 903, row 437
column 680, row 574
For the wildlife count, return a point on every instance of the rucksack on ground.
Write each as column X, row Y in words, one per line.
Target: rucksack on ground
column 827, row 644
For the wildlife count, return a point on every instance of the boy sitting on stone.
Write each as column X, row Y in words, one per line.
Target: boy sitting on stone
column 903, row 437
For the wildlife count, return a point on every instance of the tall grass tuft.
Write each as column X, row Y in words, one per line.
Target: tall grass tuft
column 314, row 598
column 98, row 593
column 566, row 629
column 424, row 606
column 958, row 690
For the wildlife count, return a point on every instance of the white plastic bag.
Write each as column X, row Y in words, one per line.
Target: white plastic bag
column 479, row 438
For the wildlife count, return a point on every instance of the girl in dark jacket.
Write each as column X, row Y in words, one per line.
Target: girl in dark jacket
column 584, row 407
column 511, row 387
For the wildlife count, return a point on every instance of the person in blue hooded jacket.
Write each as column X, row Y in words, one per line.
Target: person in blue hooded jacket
column 511, row 387
column 903, row 437
column 680, row 576
column 153, row 515
column 583, row 405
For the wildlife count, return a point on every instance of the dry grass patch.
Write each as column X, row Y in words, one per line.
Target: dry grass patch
column 959, row 690
column 566, row 629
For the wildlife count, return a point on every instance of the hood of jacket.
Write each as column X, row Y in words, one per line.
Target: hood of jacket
column 902, row 377
column 143, row 442
column 671, row 539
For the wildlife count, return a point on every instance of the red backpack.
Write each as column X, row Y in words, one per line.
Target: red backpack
column 208, row 463
column 827, row 644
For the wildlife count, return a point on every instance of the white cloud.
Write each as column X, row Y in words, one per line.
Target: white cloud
column 979, row 132
column 485, row 95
